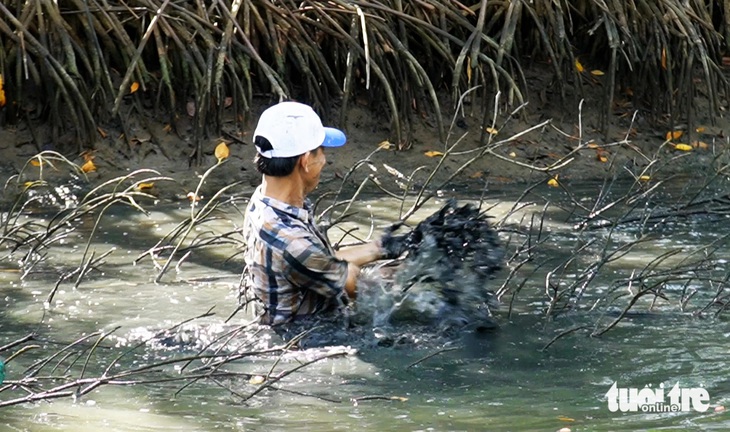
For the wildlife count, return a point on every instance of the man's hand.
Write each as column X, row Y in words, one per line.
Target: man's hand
column 393, row 246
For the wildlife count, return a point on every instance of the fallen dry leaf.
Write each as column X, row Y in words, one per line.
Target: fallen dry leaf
column 553, row 182
column 433, row 153
column 221, row 152
column 645, row 178
column 683, row 147
column 145, row 186
column 673, row 135
column 385, row 145
column 596, row 72
column 134, row 87
column 578, row 66
column 88, row 166
column 491, row 131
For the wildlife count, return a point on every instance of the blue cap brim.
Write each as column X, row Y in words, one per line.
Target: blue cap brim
column 333, row 137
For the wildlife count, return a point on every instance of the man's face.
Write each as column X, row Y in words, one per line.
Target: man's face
column 316, row 160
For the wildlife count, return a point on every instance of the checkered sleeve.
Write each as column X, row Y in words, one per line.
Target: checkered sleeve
column 314, row 267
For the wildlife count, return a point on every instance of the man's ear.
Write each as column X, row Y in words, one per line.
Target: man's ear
column 304, row 160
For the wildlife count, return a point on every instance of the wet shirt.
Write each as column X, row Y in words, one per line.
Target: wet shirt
column 289, row 262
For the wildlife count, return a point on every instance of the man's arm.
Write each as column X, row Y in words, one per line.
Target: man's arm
column 360, row 255
column 353, row 272
column 356, row 257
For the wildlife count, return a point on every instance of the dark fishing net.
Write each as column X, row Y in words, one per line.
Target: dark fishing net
column 443, row 280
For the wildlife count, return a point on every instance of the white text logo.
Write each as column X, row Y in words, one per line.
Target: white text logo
column 651, row 400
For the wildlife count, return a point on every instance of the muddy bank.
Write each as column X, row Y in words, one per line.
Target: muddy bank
column 531, row 146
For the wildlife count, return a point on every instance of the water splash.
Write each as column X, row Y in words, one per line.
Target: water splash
column 443, row 281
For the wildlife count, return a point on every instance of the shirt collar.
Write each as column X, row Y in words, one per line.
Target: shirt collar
column 300, row 213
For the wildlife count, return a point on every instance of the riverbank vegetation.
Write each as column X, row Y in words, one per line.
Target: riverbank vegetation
column 87, row 66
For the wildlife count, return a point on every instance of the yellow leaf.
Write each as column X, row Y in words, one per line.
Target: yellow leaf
column 597, row 72
column 553, row 182
column 602, row 158
column 578, row 66
column 2, row 92
column 433, row 153
column 88, row 166
column 134, row 87
column 645, row 178
column 385, row 145
column 700, row 129
column 592, row 145
column 683, row 147
column 221, row 152
column 566, row 419
column 36, row 162
column 673, row 135
column 145, row 186
column 256, row 380
column 491, row 131
column 664, row 58
column 513, row 155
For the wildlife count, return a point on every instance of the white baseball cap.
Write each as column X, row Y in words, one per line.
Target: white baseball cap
column 293, row 129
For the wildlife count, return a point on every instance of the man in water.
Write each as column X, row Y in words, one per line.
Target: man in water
column 291, row 266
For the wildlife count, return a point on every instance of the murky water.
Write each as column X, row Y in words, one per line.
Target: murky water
column 500, row 380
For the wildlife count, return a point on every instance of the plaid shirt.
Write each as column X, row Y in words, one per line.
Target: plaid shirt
column 290, row 263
